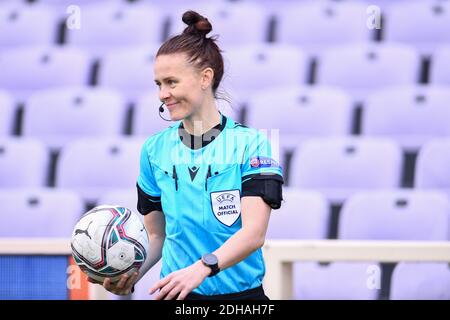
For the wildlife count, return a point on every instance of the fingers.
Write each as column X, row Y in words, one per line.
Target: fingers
column 107, row 284
column 132, row 280
column 173, row 293
column 182, row 295
column 123, row 286
column 161, row 283
column 165, row 290
column 123, row 280
column 177, row 293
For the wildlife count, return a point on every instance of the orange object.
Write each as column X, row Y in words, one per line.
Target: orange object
column 77, row 282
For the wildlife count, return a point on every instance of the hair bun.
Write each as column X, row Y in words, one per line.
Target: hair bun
column 197, row 24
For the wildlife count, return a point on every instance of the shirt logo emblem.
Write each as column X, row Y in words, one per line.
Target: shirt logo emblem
column 254, row 162
column 263, row 162
column 225, row 197
column 193, row 172
column 226, row 206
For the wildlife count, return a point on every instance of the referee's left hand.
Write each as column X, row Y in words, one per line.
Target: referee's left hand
column 179, row 283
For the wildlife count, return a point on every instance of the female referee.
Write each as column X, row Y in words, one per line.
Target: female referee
column 206, row 185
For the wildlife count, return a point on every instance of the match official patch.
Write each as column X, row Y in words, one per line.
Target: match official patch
column 226, row 206
column 263, row 162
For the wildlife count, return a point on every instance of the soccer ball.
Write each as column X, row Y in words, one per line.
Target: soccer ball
column 109, row 241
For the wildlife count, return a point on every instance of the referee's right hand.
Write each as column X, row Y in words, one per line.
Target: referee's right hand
column 122, row 287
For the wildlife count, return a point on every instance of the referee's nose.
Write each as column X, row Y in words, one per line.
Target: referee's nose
column 164, row 94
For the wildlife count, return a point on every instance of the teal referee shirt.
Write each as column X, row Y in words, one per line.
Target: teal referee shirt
column 199, row 191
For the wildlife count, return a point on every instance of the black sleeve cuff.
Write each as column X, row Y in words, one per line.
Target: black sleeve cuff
column 268, row 187
column 147, row 203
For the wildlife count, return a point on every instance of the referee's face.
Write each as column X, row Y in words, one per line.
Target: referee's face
column 180, row 85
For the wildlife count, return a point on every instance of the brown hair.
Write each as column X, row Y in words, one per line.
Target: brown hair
column 202, row 52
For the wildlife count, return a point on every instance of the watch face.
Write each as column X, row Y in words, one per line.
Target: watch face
column 210, row 259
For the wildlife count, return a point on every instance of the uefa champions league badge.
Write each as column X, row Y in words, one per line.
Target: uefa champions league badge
column 263, row 162
column 254, row 162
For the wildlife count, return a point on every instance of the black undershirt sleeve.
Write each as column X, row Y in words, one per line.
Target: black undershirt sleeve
column 268, row 187
column 147, row 203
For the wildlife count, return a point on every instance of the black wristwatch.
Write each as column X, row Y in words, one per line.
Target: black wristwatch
column 211, row 261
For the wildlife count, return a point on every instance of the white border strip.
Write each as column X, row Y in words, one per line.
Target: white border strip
column 280, row 254
column 35, row 246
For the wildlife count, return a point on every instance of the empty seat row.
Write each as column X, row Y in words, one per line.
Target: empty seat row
column 47, row 213
column 379, row 215
column 25, row 71
column 312, row 25
column 59, row 116
column 316, row 25
column 339, row 167
column 89, row 166
column 358, row 69
column 38, row 212
column 363, row 281
column 96, row 27
column 410, row 115
column 419, row 215
column 336, row 167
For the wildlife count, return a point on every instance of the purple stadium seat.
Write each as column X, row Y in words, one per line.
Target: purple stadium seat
column 228, row 107
column 433, row 17
column 304, row 111
column 283, row 146
column 92, row 167
column 18, row 26
column 360, row 69
column 58, row 116
column 23, row 163
column 336, row 281
column 39, row 212
column 122, row 197
column 432, row 167
column 339, row 167
column 440, row 69
column 385, row 3
column 317, row 25
column 61, row 4
column 30, row 69
column 262, row 67
column 396, row 215
column 303, row 215
column 421, row 281
column 108, row 27
column 7, row 109
column 230, row 21
column 129, row 71
column 410, row 115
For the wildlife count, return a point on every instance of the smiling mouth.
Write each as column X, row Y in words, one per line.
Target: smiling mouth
column 171, row 105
